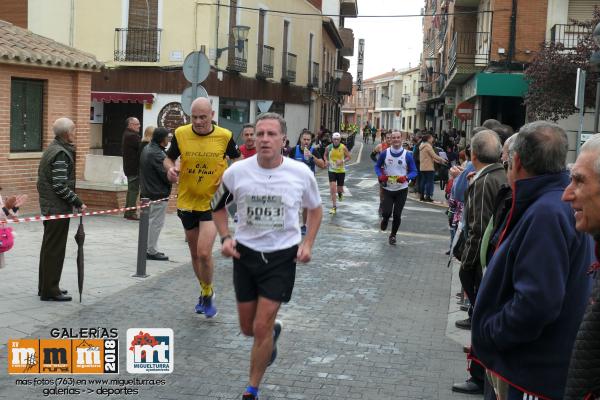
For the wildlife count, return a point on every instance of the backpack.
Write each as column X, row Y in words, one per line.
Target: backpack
column 7, row 239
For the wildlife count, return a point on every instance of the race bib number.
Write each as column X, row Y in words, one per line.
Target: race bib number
column 265, row 212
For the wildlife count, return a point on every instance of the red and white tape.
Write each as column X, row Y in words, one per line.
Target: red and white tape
column 15, row 220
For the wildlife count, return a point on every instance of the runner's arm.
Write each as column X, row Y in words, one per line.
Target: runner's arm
column 169, row 162
column 411, row 167
column 375, row 152
column 233, row 151
column 318, row 161
column 347, row 155
column 379, row 164
column 313, row 222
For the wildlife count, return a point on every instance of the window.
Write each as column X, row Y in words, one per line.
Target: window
column 26, row 113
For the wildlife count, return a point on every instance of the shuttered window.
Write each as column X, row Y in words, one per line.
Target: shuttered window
column 582, row 10
column 26, row 112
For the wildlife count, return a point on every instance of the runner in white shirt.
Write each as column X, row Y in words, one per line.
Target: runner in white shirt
column 269, row 190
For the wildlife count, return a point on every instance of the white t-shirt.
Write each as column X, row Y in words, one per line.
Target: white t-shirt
column 268, row 202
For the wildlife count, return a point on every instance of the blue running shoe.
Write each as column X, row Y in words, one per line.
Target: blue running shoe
column 277, row 327
column 208, row 305
column 200, row 306
column 303, row 230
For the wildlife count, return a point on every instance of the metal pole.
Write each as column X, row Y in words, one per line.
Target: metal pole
column 596, row 112
column 143, row 240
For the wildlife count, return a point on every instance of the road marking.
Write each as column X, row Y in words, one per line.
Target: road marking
column 424, row 209
column 367, row 183
column 359, row 155
column 400, row 233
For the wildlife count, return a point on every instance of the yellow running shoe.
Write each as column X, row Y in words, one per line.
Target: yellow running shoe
column 332, row 211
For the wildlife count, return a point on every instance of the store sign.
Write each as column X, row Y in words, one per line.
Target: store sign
column 359, row 68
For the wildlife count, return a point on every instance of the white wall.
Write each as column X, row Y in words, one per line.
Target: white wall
column 296, row 117
column 557, row 14
column 161, row 99
column 571, row 125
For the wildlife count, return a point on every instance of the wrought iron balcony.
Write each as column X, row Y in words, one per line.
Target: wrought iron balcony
column 469, row 48
column 568, row 35
column 265, row 57
column 289, row 67
column 137, row 44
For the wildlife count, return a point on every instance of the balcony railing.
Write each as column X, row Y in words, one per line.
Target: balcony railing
column 265, row 69
column 137, row 44
column 469, row 48
column 315, row 75
column 238, row 58
column 568, row 35
column 289, row 67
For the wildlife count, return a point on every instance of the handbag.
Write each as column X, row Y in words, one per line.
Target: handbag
column 7, row 239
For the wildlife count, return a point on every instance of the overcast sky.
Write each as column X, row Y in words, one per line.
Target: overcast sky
column 389, row 42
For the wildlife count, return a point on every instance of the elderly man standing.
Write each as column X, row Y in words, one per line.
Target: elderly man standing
column 131, row 164
column 489, row 177
column 535, row 288
column 583, row 381
column 56, row 185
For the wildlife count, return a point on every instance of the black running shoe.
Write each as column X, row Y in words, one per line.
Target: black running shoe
column 384, row 224
column 392, row 240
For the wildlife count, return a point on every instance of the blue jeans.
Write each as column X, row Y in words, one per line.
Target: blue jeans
column 426, row 183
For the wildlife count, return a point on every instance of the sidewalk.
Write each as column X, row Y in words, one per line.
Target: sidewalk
column 110, row 261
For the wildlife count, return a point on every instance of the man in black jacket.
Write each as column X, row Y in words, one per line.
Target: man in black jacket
column 131, row 164
column 155, row 186
column 583, row 380
column 56, row 185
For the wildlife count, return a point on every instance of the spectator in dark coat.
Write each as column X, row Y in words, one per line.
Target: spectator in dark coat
column 131, row 164
column 155, row 186
column 583, row 381
column 535, row 289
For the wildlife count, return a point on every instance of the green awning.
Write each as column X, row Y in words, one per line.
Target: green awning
column 513, row 85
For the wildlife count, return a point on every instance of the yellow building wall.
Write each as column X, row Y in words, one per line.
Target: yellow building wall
column 298, row 41
column 95, row 24
column 50, row 19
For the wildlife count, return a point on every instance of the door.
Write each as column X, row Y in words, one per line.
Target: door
column 115, row 115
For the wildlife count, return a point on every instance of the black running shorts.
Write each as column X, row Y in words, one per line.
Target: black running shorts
column 191, row 219
column 337, row 177
column 269, row 275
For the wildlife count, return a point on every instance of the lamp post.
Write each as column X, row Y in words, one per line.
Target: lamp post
column 240, row 34
column 595, row 67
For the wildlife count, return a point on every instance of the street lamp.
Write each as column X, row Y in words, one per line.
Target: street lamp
column 595, row 67
column 240, row 34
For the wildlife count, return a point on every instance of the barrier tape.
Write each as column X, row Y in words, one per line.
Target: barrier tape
column 15, row 220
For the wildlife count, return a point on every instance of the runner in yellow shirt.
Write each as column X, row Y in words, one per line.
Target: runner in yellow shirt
column 336, row 155
column 202, row 147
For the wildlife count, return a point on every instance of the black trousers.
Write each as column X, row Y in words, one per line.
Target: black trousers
column 393, row 203
column 470, row 280
column 52, row 256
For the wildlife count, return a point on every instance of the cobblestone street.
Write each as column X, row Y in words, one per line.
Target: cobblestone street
column 366, row 321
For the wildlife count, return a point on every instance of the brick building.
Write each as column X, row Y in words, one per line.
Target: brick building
column 40, row 80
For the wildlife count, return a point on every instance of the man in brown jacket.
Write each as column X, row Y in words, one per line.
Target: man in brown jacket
column 427, row 158
column 479, row 206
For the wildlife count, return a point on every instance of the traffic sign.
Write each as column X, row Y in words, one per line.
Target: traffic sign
column 464, row 111
column 196, row 67
column 187, row 97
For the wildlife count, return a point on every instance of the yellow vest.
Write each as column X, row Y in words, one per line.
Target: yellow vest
column 202, row 165
column 335, row 155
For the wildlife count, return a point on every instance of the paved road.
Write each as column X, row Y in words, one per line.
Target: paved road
column 367, row 320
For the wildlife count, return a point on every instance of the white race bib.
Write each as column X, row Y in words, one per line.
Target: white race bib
column 265, row 212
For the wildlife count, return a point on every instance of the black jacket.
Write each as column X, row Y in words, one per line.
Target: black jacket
column 131, row 153
column 153, row 176
column 584, row 371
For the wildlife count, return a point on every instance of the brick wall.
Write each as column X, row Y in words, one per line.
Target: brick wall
column 531, row 28
column 14, row 11
column 66, row 94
